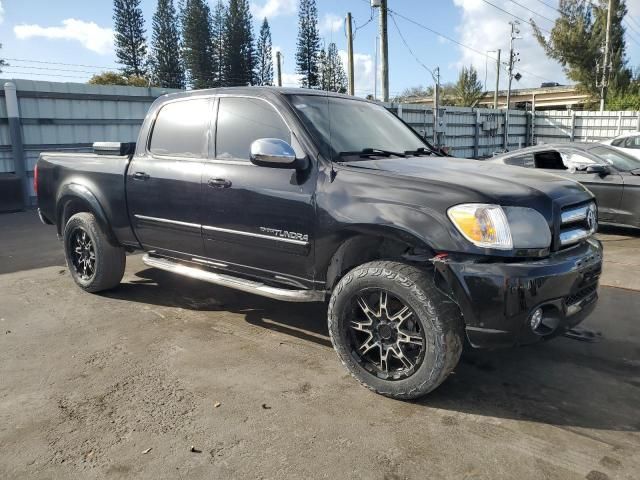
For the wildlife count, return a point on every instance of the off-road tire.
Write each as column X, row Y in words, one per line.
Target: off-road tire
column 438, row 315
column 110, row 260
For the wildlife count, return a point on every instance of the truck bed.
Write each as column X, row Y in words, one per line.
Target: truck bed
column 99, row 176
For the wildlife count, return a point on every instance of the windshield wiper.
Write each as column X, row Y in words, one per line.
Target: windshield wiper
column 418, row 151
column 371, row 152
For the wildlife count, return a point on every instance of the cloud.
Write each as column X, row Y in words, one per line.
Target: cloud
column 363, row 72
column 483, row 28
column 89, row 34
column 1, row 12
column 331, row 23
column 291, row 79
column 273, row 8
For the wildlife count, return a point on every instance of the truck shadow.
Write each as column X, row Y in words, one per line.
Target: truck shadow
column 563, row 382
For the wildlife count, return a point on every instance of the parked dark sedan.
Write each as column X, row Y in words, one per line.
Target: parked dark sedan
column 611, row 175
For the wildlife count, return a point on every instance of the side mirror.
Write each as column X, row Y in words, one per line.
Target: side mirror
column 273, row 152
column 599, row 169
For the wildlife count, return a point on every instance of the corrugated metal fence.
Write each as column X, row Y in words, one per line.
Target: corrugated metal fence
column 476, row 133
column 71, row 116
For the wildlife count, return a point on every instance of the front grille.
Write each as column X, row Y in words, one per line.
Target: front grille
column 577, row 222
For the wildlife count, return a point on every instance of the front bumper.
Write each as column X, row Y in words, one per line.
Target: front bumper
column 498, row 298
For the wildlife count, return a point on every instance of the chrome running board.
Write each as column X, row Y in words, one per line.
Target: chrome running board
column 228, row 281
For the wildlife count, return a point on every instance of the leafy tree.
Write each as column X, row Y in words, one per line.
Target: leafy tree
column 468, row 89
column 3, row 62
column 264, row 59
column 131, row 46
column 168, row 70
column 117, row 78
column 412, row 93
column 308, row 46
column 239, row 53
column 577, row 40
column 331, row 71
column 217, row 43
column 196, row 43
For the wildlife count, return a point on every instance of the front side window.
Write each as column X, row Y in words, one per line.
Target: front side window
column 633, row 142
column 181, row 129
column 341, row 125
column 241, row 121
column 620, row 160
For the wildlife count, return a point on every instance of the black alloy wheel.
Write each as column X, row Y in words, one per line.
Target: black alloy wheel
column 383, row 335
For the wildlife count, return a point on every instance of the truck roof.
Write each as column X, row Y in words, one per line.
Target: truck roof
column 261, row 91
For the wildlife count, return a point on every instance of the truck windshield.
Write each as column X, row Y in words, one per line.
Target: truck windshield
column 347, row 130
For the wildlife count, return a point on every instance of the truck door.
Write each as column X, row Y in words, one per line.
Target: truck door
column 257, row 220
column 164, row 183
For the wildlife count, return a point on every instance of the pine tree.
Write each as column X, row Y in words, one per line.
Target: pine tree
column 168, row 70
column 217, row 43
column 196, row 43
column 577, row 38
column 468, row 88
column 331, row 71
column 239, row 53
column 264, row 59
column 308, row 44
column 131, row 46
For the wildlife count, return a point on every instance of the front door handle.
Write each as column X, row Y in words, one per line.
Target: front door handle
column 218, row 183
column 140, row 176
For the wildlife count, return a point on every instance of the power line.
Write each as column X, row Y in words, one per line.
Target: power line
column 633, row 20
column 408, row 47
column 533, row 11
column 452, row 40
column 44, row 74
column 60, row 63
column 515, row 16
column 549, row 6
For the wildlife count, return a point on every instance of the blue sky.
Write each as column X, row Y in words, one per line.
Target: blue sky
column 78, row 32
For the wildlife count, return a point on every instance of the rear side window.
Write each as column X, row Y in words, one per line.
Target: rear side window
column 549, row 160
column 181, row 129
column 525, row 160
column 241, row 121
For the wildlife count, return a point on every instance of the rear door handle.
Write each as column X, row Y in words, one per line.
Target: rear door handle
column 140, row 176
column 218, row 183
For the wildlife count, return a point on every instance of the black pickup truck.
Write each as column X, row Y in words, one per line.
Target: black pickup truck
column 305, row 196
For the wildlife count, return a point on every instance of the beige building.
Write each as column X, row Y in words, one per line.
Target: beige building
column 544, row 98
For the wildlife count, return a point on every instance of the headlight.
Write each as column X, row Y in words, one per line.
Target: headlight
column 482, row 224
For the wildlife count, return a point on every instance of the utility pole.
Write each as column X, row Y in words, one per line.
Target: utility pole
column 495, row 94
column 606, row 67
column 350, row 54
column 375, row 71
column 279, row 68
column 436, row 107
column 384, row 48
column 512, row 59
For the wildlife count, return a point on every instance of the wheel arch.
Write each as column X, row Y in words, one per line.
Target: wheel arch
column 366, row 243
column 75, row 198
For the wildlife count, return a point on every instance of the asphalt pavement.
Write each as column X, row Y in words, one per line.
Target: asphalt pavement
column 166, row 377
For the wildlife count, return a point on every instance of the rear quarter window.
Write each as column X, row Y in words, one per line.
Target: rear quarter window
column 181, row 129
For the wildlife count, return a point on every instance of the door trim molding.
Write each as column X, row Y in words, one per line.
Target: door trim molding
column 166, row 220
column 255, row 235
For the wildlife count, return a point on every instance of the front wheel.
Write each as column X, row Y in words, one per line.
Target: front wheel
column 94, row 263
column 392, row 328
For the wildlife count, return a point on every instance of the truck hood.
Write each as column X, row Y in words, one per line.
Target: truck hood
column 504, row 183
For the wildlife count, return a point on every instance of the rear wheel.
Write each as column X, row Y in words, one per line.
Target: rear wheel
column 94, row 263
column 394, row 330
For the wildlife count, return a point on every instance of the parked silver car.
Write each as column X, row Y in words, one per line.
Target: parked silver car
column 612, row 175
column 628, row 143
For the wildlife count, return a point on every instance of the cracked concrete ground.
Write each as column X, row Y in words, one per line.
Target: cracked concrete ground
column 89, row 383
